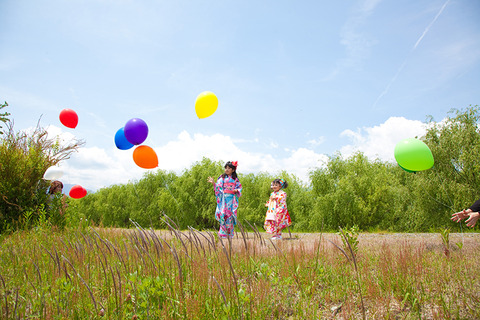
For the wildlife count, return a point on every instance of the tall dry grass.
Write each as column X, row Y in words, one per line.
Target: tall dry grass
column 187, row 274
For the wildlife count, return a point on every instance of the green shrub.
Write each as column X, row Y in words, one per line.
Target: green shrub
column 24, row 158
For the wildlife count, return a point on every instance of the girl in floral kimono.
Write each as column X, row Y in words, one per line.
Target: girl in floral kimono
column 277, row 217
column 227, row 190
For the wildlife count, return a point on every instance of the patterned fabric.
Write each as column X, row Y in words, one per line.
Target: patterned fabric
column 277, row 217
column 227, row 191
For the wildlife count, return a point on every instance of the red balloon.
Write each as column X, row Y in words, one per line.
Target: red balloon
column 69, row 118
column 77, row 192
column 145, row 157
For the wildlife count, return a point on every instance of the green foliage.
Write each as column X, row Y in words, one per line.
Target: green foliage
column 24, row 158
column 445, row 235
column 355, row 191
column 453, row 182
column 349, row 238
column 4, row 115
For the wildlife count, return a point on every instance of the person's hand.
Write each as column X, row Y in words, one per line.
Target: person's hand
column 459, row 216
column 210, row 179
column 472, row 220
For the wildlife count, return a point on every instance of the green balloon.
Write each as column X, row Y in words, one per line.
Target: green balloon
column 407, row 170
column 413, row 155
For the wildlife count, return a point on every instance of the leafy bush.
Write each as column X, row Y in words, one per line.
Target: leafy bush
column 24, row 158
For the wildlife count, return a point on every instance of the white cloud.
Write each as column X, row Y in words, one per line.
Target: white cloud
column 302, row 161
column 273, row 145
column 379, row 141
column 94, row 168
column 316, row 142
column 54, row 132
column 357, row 43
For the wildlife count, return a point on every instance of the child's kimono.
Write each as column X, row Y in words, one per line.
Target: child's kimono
column 277, row 217
column 227, row 191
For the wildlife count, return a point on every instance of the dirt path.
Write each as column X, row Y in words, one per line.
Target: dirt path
column 429, row 240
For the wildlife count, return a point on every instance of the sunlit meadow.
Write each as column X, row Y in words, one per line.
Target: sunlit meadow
column 96, row 273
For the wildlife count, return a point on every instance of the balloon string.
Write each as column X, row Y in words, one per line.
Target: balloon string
column 166, row 186
column 439, row 202
column 449, row 200
column 461, row 232
column 168, row 189
column 451, row 208
column 445, row 190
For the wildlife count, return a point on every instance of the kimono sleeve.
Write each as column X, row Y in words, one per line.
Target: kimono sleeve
column 238, row 187
column 219, row 189
column 282, row 202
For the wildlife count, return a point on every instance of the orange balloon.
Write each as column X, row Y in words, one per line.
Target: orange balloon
column 145, row 157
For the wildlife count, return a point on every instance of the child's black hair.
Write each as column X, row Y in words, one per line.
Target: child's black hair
column 234, row 173
column 279, row 181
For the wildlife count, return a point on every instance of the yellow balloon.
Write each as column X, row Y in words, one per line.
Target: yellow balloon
column 206, row 104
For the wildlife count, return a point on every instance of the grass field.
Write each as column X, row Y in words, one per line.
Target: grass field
column 144, row 274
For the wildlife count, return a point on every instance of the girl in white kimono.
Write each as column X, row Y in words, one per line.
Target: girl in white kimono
column 277, row 217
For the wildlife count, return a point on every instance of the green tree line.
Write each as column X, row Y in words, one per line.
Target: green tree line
column 355, row 191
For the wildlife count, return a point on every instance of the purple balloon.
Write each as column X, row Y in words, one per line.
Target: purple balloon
column 136, row 131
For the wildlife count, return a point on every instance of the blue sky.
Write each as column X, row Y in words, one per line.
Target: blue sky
column 296, row 81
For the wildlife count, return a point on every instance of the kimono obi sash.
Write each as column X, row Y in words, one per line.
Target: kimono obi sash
column 229, row 187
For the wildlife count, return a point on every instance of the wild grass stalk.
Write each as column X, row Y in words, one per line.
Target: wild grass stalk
column 294, row 269
column 67, row 275
column 233, row 274
column 28, row 280
column 15, row 304
column 151, row 260
column 244, row 235
column 177, row 234
column 84, row 283
column 256, row 232
column 196, row 241
column 38, row 272
column 114, row 286
column 223, row 296
column 5, row 294
column 353, row 256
